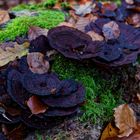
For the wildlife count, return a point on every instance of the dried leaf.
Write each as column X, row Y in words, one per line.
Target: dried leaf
column 4, row 16
column 95, row 36
column 134, row 20
column 125, row 120
column 111, row 30
column 66, row 24
column 36, row 106
column 83, row 9
column 10, row 51
column 111, row 6
column 17, row 133
column 83, row 21
column 35, row 32
column 129, row 1
column 138, row 96
column 109, row 132
column 37, row 63
column 57, row 6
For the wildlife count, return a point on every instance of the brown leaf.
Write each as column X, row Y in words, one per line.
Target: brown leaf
column 83, row 8
column 35, row 32
column 10, row 51
column 66, row 24
column 111, row 30
column 111, row 6
column 95, row 36
column 83, row 21
column 4, row 16
column 134, row 20
column 13, row 111
column 18, row 133
column 57, row 6
column 109, row 132
column 125, row 120
column 37, row 63
column 36, row 106
column 129, row 1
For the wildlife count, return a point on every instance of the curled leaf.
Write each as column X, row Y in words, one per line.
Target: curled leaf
column 83, row 9
column 125, row 120
column 36, row 106
column 37, row 63
column 4, row 16
column 111, row 30
column 109, row 132
column 35, row 32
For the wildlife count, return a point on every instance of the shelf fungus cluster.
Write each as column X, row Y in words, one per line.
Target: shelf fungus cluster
column 34, row 96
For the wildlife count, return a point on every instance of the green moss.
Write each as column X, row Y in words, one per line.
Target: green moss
column 97, row 88
column 49, row 3
column 19, row 26
column 27, row 7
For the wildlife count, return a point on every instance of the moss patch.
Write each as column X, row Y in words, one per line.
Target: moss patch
column 101, row 97
column 19, row 26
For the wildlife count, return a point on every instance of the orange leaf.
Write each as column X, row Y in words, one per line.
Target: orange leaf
column 4, row 16
column 125, row 120
column 36, row 106
column 109, row 132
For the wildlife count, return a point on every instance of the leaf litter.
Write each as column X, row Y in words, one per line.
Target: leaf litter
column 101, row 33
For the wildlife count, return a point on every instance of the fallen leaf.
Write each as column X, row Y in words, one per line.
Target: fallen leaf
column 83, row 21
column 109, row 132
column 66, row 24
column 129, row 1
column 4, row 16
column 125, row 120
column 138, row 96
column 95, row 36
column 83, row 9
column 134, row 20
column 111, row 6
column 17, row 133
column 37, row 63
column 36, row 106
column 57, row 6
column 35, row 32
column 133, row 136
column 10, row 51
column 111, row 30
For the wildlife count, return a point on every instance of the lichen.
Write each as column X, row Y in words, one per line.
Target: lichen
column 20, row 25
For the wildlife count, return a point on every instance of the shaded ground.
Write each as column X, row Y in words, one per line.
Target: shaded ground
column 69, row 130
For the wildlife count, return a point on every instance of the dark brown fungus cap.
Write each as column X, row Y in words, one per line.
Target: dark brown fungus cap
column 59, row 112
column 40, row 84
column 15, row 88
column 40, row 44
column 71, row 100
column 71, row 42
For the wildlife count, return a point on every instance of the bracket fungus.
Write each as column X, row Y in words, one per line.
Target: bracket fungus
column 120, row 46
